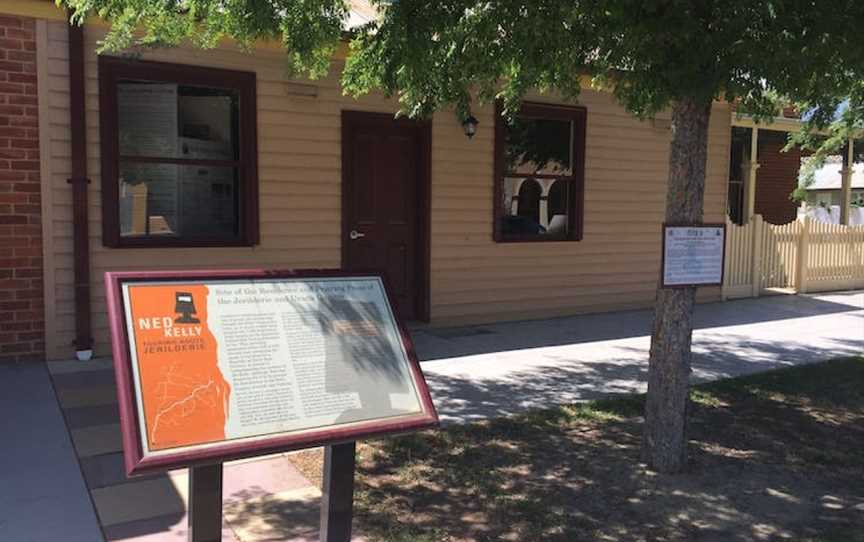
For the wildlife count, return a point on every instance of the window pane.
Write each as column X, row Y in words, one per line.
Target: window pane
column 534, row 206
column 209, row 201
column 147, row 119
column 172, row 200
column 171, row 121
column 539, row 146
column 208, row 123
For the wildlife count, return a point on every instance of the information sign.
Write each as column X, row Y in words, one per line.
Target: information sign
column 228, row 364
column 693, row 255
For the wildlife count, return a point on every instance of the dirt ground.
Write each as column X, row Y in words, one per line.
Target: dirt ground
column 778, row 456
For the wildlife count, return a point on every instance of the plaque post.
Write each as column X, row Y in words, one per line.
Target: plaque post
column 337, row 499
column 205, row 503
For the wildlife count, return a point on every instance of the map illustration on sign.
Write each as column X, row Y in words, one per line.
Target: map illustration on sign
column 223, row 361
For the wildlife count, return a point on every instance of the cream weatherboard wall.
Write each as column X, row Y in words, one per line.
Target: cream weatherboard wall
column 473, row 279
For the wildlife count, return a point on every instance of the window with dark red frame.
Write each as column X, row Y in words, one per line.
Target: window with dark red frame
column 539, row 174
column 178, row 155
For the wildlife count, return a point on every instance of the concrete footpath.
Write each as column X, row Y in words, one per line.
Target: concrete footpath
column 500, row 369
column 42, row 494
column 61, row 473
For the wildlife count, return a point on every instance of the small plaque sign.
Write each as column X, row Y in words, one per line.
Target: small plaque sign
column 693, row 255
column 228, row 364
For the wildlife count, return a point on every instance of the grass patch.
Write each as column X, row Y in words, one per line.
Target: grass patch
column 831, row 383
column 777, row 454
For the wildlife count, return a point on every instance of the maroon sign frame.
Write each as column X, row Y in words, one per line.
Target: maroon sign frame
column 135, row 460
column 711, row 225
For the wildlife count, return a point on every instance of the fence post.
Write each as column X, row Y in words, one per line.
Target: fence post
column 802, row 256
column 756, row 256
column 727, row 259
column 856, row 239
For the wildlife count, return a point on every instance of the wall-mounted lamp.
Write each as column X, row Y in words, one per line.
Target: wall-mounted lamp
column 470, row 126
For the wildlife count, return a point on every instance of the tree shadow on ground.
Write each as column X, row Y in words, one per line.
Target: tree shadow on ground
column 772, row 457
column 435, row 344
column 564, row 377
column 255, row 514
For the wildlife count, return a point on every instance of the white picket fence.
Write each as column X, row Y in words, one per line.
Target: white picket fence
column 802, row 256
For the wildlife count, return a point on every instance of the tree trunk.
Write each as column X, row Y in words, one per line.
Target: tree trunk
column 664, row 445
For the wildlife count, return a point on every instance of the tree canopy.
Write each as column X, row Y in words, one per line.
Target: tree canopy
column 309, row 30
column 452, row 52
column 649, row 52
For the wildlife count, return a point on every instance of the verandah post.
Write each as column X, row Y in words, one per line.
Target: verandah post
column 752, row 176
column 846, row 182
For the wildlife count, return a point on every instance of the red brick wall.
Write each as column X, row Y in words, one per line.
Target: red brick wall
column 22, row 323
column 777, row 177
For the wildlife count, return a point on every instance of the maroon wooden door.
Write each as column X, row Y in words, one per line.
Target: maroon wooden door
column 384, row 183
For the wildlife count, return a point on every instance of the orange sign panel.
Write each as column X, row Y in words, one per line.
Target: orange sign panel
column 183, row 392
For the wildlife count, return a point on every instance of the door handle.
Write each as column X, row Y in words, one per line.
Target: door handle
column 354, row 235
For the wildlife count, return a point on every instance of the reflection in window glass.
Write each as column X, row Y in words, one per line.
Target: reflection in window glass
column 208, row 123
column 161, row 120
column 178, row 200
column 534, row 206
column 177, row 176
column 147, row 119
column 539, row 174
column 539, row 146
column 149, row 199
column 556, row 208
column 528, row 204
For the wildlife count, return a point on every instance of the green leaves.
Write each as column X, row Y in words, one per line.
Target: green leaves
column 451, row 53
column 310, row 30
column 436, row 54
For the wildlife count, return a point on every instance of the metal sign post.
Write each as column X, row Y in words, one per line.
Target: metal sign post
column 337, row 498
column 205, row 503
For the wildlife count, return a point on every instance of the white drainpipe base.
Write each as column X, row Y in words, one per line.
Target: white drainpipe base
column 84, row 355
